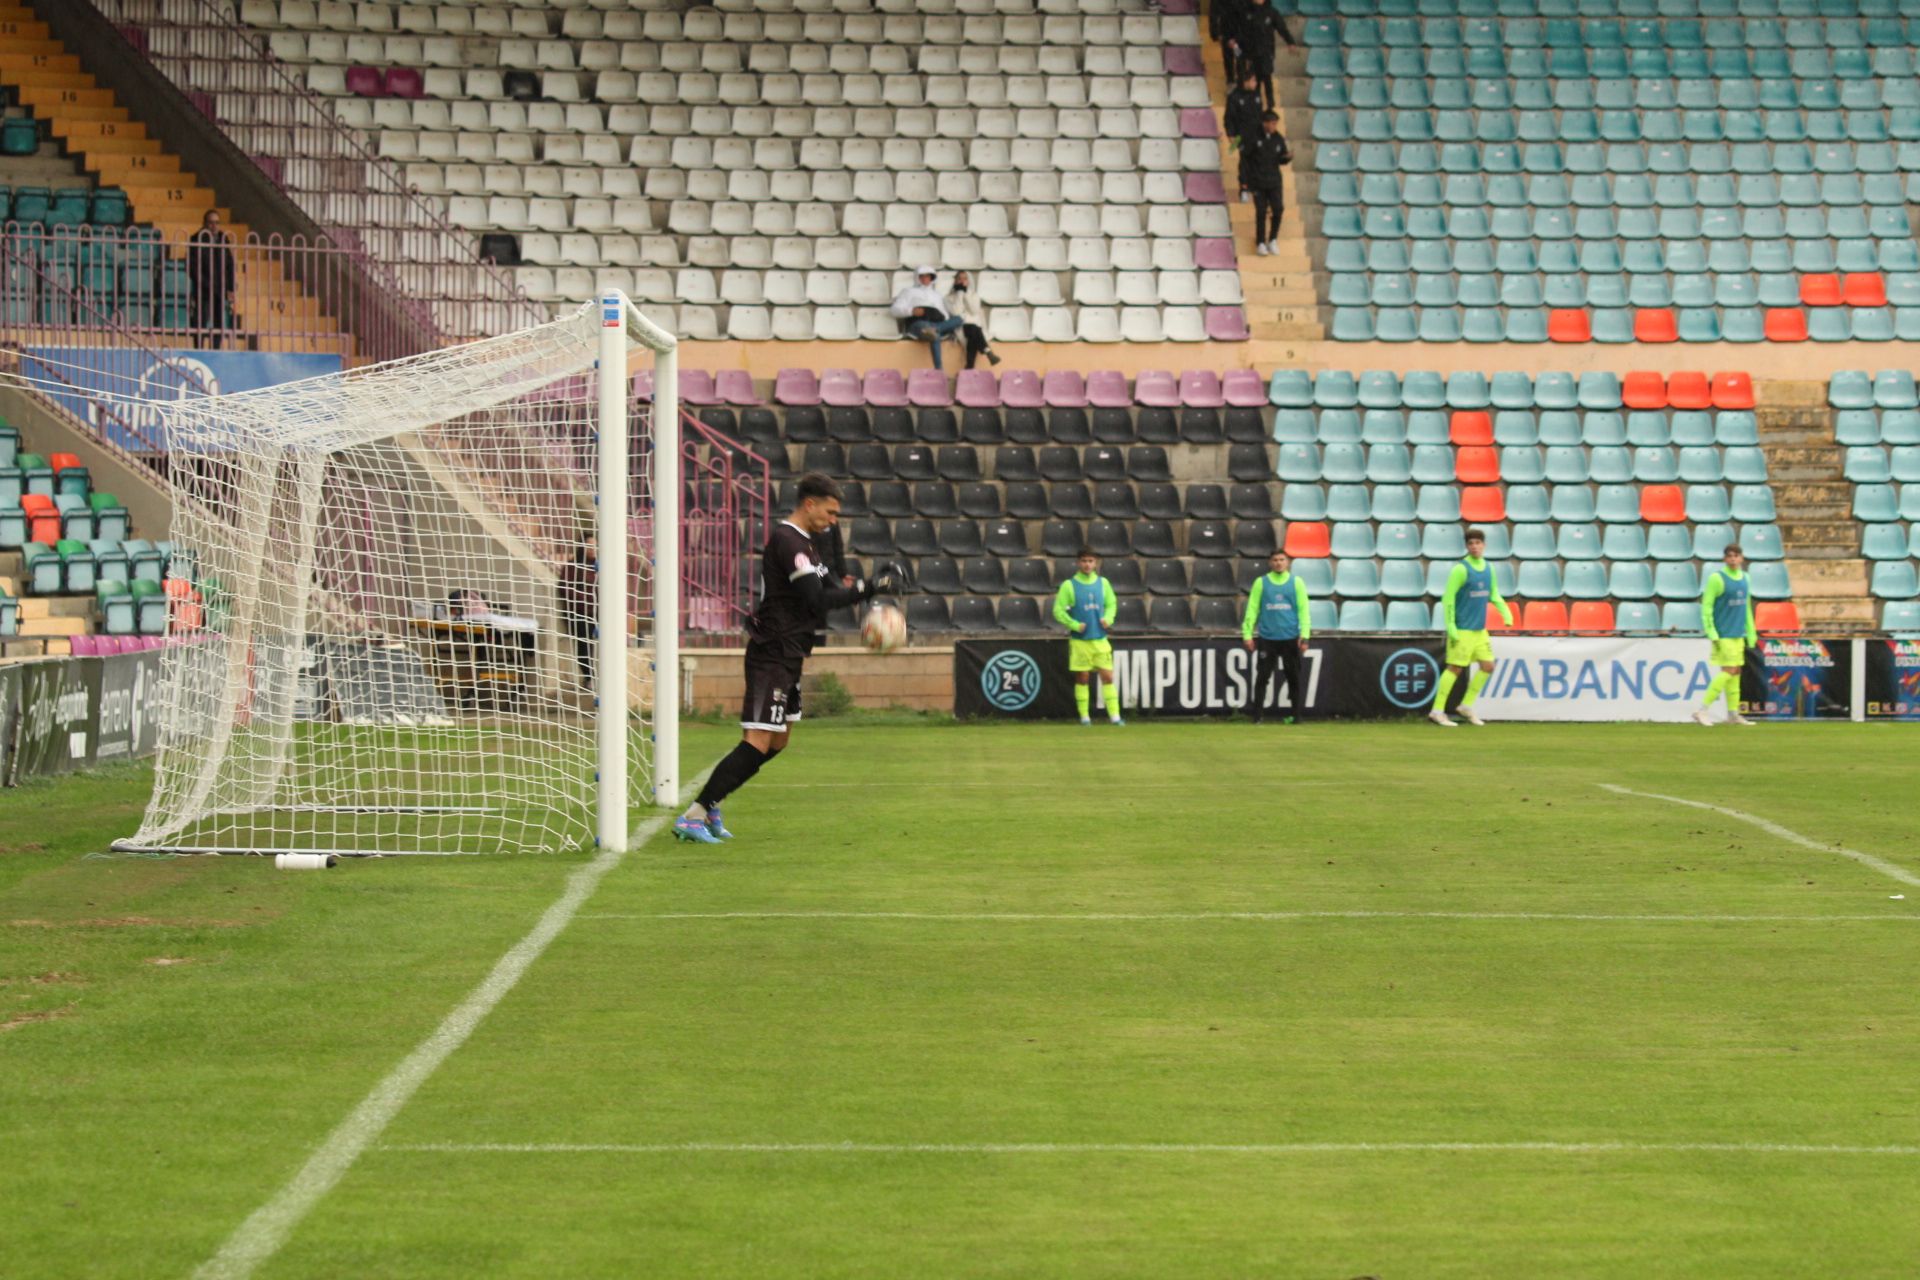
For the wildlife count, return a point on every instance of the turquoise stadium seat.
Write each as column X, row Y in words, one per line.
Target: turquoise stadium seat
column 1438, row 503
column 1680, row 617
column 1584, row 580
column 1539, row 580
column 1291, row 388
column 1335, row 389
column 1323, row 615
column 1573, row 503
column 1361, row 615
column 1338, row 426
column 1895, row 580
column 1515, row 428
column 1856, row 427
column 1578, row 542
column 1636, row 615
column 1873, row 503
column 1624, row 542
column 1393, row 502
column 1709, row 504
column 1402, row 580
column 1303, row 502
column 1762, row 542
column 1533, row 542
column 1710, row 540
column 1443, row 543
column 1344, row 463
column 1294, row 426
column 1407, row 615
column 1352, row 540
column 1383, row 426
column 1770, row 580
column 1676, row 580
column 1618, row 504
column 1428, row 426
column 1528, row 503
column 1355, row 579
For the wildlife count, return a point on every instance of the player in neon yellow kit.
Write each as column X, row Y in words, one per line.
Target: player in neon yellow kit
column 1085, row 606
column 1726, row 615
column 1470, row 589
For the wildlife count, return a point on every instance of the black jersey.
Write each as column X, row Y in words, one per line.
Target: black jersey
column 786, row 619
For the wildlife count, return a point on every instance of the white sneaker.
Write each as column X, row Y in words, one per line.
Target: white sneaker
column 1740, row 719
column 1245, row 196
column 1700, row 718
column 1261, row 249
column 1471, row 718
column 1273, row 246
column 1439, row 717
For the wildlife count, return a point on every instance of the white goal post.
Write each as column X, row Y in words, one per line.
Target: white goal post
column 389, row 631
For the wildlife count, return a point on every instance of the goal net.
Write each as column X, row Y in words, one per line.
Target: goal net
column 405, row 630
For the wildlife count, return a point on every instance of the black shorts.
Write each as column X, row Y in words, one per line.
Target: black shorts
column 773, row 693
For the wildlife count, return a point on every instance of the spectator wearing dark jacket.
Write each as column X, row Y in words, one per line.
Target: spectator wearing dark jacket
column 1223, row 21
column 210, row 277
column 580, row 603
column 1260, row 166
column 1243, row 123
column 1253, row 38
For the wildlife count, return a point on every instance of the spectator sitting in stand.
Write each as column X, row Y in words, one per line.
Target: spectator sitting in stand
column 1260, row 166
column 965, row 307
column 922, row 313
column 1242, row 122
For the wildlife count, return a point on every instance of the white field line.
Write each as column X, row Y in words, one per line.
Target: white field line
column 1143, row 1148
column 1891, row 870
column 267, row 1228
column 1227, row 916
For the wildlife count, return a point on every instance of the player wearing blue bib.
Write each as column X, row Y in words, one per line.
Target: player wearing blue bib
column 1726, row 616
column 1275, row 631
column 1470, row 589
column 1085, row 606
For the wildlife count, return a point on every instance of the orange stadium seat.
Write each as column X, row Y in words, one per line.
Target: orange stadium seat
column 1483, row 504
column 1472, row 426
column 1733, row 391
column 1786, row 324
column 1820, row 290
column 1644, row 390
column 1569, row 326
column 1544, row 615
column 1655, row 325
column 1776, row 617
column 1309, row 539
column 1592, row 616
column 1663, row 504
column 1689, row 390
column 1864, row 289
column 1477, row 464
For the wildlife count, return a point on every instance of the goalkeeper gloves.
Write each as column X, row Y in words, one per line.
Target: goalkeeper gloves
column 889, row 579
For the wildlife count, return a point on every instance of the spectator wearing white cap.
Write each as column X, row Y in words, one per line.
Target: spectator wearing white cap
column 922, row 313
column 965, row 307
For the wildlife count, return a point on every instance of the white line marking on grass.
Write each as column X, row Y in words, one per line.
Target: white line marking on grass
column 1140, row 1148
column 1868, row 860
column 1255, row 916
column 267, row 1228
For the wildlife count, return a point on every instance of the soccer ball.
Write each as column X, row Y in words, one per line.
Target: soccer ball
column 884, row 629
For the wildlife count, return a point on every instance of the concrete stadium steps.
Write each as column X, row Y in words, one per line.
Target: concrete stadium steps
column 116, row 150
column 43, row 617
column 1815, row 504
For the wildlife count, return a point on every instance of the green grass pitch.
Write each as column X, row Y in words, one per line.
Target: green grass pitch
column 1170, row 1000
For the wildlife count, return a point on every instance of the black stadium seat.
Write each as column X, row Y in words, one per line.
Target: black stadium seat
column 759, row 427
column 961, row 538
column 1027, row 501
column 869, row 462
column 1167, row 577
column 1214, row 578
column 1156, row 426
column 936, row 426
column 1154, row 538
column 1014, row 462
column 825, row 457
column 871, row 537
column 894, row 425
column 1031, row 577
column 938, row 574
column 853, row 498
column 721, row 419
column 914, row 462
column 1061, row 538
column 1209, row 538
column 1249, row 463
column 928, row 614
column 984, row 575
column 849, row 424
column 934, row 499
column 1254, row 538
column 1131, row 617
column 1026, row 426
column 1200, row 426
column 1171, row 616
column 1103, row 462
column 1006, row 538
column 1059, row 463
column 1125, row 576
column 1070, row 502
column 1069, row 426
column 915, row 538
column 982, row 426
column 974, row 614
column 1148, row 462
column 1159, row 502
column 1115, row 502
column 890, row 498
column 1113, row 426
column 1020, row 613
column 1206, row 502
column 1247, row 426
column 1251, row 502
column 980, row 501
column 959, row 463
column 1216, row 617
column 806, row 423
column 1109, row 538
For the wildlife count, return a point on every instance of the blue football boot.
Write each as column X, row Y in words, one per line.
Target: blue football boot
column 685, row 828
column 715, row 827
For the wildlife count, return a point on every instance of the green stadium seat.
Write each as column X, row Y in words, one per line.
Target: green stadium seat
column 116, row 604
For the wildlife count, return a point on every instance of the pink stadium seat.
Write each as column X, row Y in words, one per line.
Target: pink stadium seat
column 884, row 388
column 1066, row 389
column 735, row 386
column 1244, row 389
column 1183, row 60
column 1200, row 389
column 82, row 646
column 926, row 388
column 365, row 82
column 840, row 387
column 977, row 389
column 1179, row 8
column 696, row 387
column 1215, row 253
column 1198, row 122
column 405, row 82
column 1021, row 389
column 1205, row 188
column 1156, row 389
column 643, row 385
column 1107, row 389
column 1227, row 324
column 792, row 386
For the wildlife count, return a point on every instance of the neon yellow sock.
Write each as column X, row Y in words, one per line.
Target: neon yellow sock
column 1111, row 696
column 1445, row 691
column 1733, row 695
column 1713, row 691
column 1475, row 683
column 1080, row 694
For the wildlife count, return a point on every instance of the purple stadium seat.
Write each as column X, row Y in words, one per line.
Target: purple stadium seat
column 1179, row 8
column 841, row 387
column 1183, row 60
column 977, row 389
column 1107, row 389
column 1156, row 389
column 1227, row 324
column 735, row 386
column 696, row 387
column 1064, row 389
column 1200, row 389
column 1215, row 253
column 643, row 385
column 885, row 388
column 1206, row 188
column 926, row 388
column 1022, row 389
column 82, row 646
column 794, row 386
column 405, row 82
column 365, row 82
column 1244, row 389
column 1198, row 122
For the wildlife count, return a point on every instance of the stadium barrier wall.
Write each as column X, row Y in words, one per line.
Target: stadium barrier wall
column 1563, row 678
column 67, row 714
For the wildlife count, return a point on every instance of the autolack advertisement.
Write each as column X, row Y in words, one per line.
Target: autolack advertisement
column 1893, row 679
column 1800, row 679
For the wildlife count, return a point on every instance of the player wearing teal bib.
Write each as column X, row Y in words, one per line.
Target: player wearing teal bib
column 1085, row 606
column 1726, row 615
column 1275, row 630
column 1470, row 589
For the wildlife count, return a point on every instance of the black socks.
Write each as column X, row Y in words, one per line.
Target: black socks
column 732, row 773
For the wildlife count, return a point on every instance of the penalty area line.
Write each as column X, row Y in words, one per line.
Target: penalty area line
column 1891, row 870
column 267, row 1228
column 1144, row 1148
column 1175, row 917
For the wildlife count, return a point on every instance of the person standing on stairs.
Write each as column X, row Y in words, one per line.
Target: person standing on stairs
column 210, row 277
column 1242, row 123
column 1260, row 166
column 1253, row 41
column 1223, row 23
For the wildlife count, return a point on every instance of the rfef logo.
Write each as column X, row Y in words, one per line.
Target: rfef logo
column 1010, row 680
column 1408, row 678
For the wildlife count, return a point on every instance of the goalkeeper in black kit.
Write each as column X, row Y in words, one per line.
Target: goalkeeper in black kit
column 797, row 590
